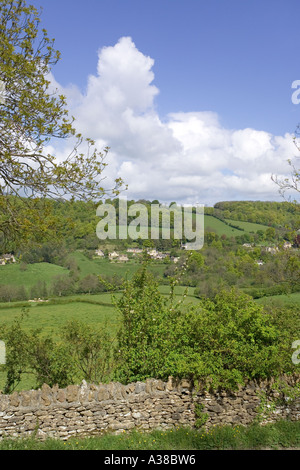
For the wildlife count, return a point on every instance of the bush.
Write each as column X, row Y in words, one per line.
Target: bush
column 82, row 352
column 222, row 342
column 10, row 293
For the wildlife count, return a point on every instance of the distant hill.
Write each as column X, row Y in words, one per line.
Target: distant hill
column 75, row 222
column 274, row 214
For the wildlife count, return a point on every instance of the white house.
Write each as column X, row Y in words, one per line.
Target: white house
column 99, row 253
column 134, row 251
column 113, row 255
column 271, row 249
column 287, row 245
column 7, row 258
column 123, row 258
column 152, row 253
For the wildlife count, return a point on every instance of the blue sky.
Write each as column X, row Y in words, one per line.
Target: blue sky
column 220, row 68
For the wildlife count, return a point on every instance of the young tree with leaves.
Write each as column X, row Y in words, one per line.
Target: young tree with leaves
column 32, row 116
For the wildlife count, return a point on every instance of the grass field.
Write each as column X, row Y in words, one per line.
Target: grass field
column 95, row 310
column 284, row 299
column 219, row 227
column 248, row 227
column 51, row 317
column 105, row 267
column 11, row 274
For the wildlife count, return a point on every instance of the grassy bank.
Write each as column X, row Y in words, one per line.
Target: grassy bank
column 280, row 435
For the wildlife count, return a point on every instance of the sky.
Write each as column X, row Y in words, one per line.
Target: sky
column 193, row 97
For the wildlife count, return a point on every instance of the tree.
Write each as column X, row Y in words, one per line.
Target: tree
column 62, row 285
column 32, row 116
column 90, row 283
column 32, row 352
column 293, row 182
column 90, row 349
column 270, row 233
column 80, row 352
column 144, row 335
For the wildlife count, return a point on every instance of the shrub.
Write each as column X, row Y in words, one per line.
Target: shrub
column 81, row 353
column 222, row 342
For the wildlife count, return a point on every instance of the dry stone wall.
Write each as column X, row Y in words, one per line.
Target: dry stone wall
column 89, row 409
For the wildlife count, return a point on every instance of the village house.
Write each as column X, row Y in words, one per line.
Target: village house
column 134, row 251
column 271, row 249
column 113, row 255
column 287, row 245
column 154, row 254
column 122, row 258
column 6, row 259
column 99, row 253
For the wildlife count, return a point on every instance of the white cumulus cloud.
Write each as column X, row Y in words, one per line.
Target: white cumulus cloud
column 189, row 157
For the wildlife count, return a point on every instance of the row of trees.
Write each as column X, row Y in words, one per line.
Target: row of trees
column 61, row 285
column 275, row 214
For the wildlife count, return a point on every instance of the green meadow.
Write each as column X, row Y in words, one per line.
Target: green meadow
column 281, row 300
column 51, row 315
column 211, row 223
column 248, row 227
column 11, row 274
column 105, row 267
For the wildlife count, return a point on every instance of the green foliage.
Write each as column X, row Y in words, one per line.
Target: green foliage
column 32, row 115
column 201, row 417
column 144, row 336
column 90, row 350
column 83, row 352
column 32, row 353
column 220, row 342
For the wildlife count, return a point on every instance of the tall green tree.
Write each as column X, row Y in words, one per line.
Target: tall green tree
column 32, row 115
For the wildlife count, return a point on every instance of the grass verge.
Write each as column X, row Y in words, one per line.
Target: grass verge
column 278, row 436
